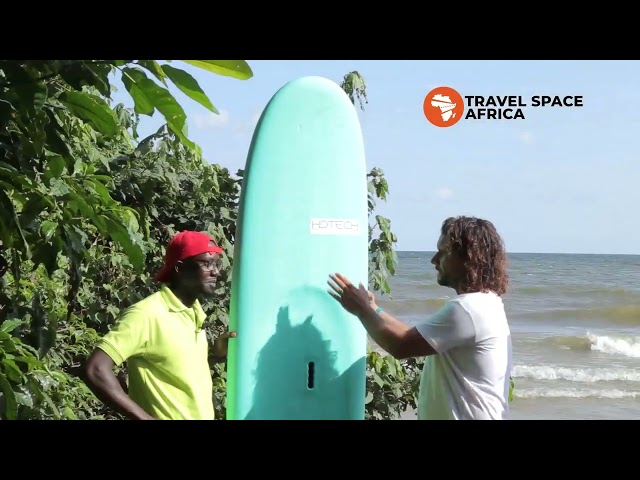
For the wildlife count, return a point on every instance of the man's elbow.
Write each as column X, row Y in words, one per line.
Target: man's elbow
column 97, row 369
column 400, row 354
column 403, row 352
column 411, row 344
column 398, row 348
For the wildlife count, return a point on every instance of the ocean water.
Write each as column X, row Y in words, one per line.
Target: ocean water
column 575, row 324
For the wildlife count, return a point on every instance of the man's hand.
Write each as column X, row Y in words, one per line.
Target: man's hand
column 372, row 300
column 221, row 345
column 357, row 301
column 393, row 335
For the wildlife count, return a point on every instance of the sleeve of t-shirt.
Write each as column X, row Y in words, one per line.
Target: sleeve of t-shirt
column 128, row 337
column 448, row 328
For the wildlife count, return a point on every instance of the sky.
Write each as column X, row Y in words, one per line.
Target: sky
column 563, row 180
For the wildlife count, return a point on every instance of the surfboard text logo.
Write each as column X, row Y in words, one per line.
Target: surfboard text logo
column 334, row 226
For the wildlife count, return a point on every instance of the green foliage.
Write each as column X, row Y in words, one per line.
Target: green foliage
column 85, row 212
column 392, row 386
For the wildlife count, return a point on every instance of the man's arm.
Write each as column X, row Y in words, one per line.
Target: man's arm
column 396, row 337
column 105, row 385
column 220, row 348
column 448, row 328
column 451, row 326
column 129, row 337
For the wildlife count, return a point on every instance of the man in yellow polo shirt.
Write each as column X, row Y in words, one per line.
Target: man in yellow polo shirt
column 162, row 340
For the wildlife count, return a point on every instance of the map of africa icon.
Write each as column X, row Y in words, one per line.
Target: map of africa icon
column 446, row 106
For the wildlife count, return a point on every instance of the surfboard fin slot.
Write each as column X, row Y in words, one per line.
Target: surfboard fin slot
column 311, row 373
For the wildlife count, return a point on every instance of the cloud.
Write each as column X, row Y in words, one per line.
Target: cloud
column 209, row 120
column 526, row 137
column 256, row 116
column 443, row 193
column 246, row 127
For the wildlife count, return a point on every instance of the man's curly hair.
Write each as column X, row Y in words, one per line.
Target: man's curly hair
column 482, row 250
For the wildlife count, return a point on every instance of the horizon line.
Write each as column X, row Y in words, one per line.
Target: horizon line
column 537, row 253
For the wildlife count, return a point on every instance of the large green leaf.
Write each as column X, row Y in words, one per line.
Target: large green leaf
column 9, row 326
column 158, row 97
column 130, row 78
column 122, row 236
column 55, row 167
column 32, row 96
column 10, row 403
column 229, row 68
column 189, row 86
column 155, row 68
column 182, row 135
column 91, row 109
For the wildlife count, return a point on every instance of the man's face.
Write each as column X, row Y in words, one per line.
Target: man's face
column 448, row 264
column 200, row 273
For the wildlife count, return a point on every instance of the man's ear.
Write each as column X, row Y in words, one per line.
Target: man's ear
column 177, row 268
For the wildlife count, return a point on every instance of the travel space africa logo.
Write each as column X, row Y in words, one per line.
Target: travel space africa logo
column 445, row 106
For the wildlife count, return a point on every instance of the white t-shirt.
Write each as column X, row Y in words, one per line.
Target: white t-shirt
column 469, row 377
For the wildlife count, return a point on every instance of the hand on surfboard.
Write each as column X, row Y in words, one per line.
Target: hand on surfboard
column 354, row 300
column 221, row 344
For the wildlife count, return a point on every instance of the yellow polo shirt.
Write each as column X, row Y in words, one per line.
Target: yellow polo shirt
column 166, row 351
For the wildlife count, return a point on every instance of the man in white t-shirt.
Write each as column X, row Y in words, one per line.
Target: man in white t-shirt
column 467, row 343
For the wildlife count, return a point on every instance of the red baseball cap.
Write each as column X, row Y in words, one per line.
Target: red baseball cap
column 184, row 245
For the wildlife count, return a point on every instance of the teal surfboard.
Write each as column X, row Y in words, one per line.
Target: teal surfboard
column 302, row 215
